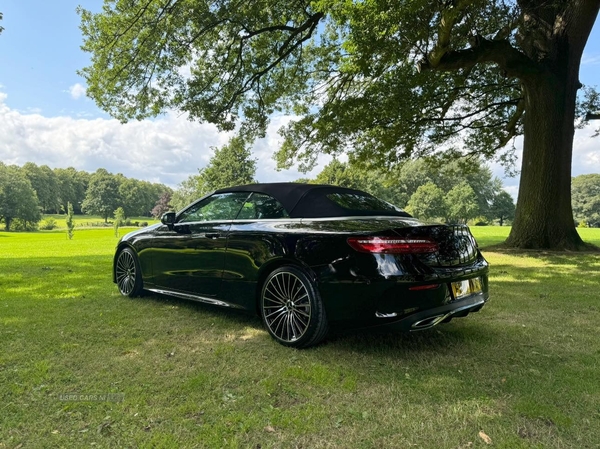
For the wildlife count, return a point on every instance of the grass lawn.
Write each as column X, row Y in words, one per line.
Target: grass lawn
column 81, row 365
column 90, row 220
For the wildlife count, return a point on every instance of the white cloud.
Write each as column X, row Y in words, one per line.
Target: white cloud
column 77, row 91
column 590, row 59
column 171, row 148
column 167, row 149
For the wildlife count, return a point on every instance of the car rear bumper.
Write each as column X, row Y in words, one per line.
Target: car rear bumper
column 429, row 318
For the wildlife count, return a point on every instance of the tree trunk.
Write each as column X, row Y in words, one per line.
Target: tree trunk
column 544, row 216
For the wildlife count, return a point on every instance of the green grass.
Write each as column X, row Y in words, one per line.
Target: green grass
column 525, row 370
column 493, row 235
column 87, row 221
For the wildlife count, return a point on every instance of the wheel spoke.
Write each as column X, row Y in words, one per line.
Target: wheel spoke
column 126, row 273
column 274, row 296
column 279, row 311
column 286, row 306
column 302, row 313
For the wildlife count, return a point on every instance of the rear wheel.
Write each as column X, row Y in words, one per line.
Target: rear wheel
column 292, row 309
column 128, row 273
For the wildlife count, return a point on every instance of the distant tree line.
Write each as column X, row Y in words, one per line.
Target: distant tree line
column 29, row 191
column 460, row 191
column 455, row 192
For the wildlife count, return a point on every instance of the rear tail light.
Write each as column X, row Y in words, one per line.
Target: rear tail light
column 391, row 245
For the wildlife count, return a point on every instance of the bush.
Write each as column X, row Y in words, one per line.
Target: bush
column 143, row 224
column 22, row 225
column 48, row 224
column 582, row 224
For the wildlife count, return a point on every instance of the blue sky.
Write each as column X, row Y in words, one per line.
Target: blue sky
column 46, row 118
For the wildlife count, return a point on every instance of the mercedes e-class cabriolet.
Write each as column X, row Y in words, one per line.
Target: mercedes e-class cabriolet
column 307, row 258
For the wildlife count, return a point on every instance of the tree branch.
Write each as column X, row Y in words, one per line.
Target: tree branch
column 513, row 63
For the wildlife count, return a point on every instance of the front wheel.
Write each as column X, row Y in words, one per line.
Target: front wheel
column 292, row 309
column 128, row 273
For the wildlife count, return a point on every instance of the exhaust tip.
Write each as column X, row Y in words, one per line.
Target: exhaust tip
column 429, row 322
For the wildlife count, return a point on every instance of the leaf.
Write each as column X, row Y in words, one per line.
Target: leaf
column 484, row 437
column 269, row 429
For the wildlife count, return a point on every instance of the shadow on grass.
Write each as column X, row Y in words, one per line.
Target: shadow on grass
column 588, row 248
column 366, row 341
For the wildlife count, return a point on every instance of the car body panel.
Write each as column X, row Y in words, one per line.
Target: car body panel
column 224, row 263
column 189, row 258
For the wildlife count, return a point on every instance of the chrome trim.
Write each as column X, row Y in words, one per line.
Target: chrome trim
column 362, row 217
column 437, row 319
column 386, row 315
column 204, row 299
column 429, row 322
column 265, row 220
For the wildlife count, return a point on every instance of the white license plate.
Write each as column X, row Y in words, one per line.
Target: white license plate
column 466, row 288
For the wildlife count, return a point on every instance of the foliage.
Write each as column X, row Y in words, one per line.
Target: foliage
column 69, row 221
column 427, row 203
column 119, row 220
column 1, row 28
column 72, row 186
column 139, row 197
column 231, row 165
column 162, row 205
column 461, row 203
column 186, row 192
column 503, row 207
column 18, row 200
column 102, row 196
column 586, row 199
column 455, row 71
column 48, row 224
column 378, row 81
column 398, row 186
column 45, row 183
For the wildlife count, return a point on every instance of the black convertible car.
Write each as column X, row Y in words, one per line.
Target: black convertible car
column 306, row 258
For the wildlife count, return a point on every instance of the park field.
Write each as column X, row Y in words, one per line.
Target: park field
column 81, row 366
column 89, row 221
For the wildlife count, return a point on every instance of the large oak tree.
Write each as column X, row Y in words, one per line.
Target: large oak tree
column 380, row 80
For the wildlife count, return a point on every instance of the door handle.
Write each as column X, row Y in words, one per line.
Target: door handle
column 215, row 235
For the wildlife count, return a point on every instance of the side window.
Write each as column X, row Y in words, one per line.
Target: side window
column 222, row 206
column 261, row 207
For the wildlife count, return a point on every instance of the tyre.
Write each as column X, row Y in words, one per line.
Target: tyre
column 128, row 273
column 292, row 309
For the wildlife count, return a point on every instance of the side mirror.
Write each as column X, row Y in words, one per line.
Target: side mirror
column 168, row 219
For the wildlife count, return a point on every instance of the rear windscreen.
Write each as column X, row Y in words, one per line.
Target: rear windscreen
column 356, row 201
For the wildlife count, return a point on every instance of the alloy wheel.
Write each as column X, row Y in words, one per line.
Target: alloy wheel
column 286, row 306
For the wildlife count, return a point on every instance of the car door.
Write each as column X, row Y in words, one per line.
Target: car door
column 189, row 256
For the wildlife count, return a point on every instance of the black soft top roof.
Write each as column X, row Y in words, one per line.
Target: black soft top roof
column 310, row 200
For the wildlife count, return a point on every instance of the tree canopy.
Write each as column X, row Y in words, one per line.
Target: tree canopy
column 230, row 165
column 456, row 191
column 18, row 201
column 102, row 196
column 586, row 199
column 378, row 80
column 503, row 207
